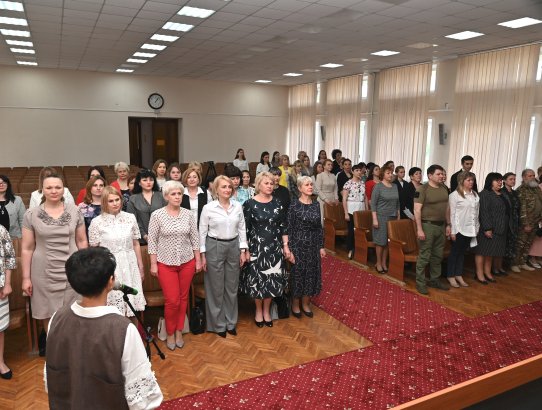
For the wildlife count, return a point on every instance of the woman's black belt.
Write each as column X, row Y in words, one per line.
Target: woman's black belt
column 223, row 240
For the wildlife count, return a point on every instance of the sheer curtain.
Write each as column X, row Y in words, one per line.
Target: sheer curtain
column 302, row 110
column 494, row 98
column 343, row 115
column 401, row 127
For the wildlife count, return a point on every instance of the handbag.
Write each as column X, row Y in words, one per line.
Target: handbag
column 162, row 334
column 539, row 232
column 197, row 320
column 283, row 306
column 186, row 327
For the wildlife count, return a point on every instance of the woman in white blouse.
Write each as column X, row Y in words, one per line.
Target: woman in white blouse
column 464, row 205
column 263, row 165
column 240, row 160
column 37, row 196
column 175, row 258
column 326, row 185
column 118, row 231
column 223, row 246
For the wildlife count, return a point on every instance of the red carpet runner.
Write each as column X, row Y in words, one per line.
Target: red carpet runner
column 420, row 347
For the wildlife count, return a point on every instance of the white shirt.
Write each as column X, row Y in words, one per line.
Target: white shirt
column 35, row 198
column 194, row 201
column 262, row 168
column 140, row 386
column 242, row 164
column 216, row 222
column 464, row 214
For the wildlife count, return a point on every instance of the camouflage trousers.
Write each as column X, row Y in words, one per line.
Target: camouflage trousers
column 523, row 244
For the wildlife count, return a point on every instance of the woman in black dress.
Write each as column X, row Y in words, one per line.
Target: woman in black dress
column 491, row 238
column 509, row 182
column 307, row 245
column 264, row 277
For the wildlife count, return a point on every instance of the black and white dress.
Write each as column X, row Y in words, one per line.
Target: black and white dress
column 306, row 238
column 264, row 276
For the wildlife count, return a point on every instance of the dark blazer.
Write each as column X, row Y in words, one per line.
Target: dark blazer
column 493, row 212
column 453, row 181
column 406, row 196
column 202, row 201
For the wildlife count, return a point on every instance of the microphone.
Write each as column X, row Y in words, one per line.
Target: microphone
column 124, row 288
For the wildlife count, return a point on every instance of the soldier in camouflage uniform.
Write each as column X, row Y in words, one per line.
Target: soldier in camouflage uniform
column 530, row 198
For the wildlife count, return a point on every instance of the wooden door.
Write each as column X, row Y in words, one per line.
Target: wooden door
column 134, row 132
column 165, row 140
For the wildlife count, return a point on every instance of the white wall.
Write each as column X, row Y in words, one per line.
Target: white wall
column 64, row 117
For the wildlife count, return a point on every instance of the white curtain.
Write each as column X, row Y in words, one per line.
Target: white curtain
column 494, row 98
column 343, row 115
column 302, row 117
column 401, row 126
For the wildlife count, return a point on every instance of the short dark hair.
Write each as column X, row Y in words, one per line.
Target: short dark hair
column 88, row 270
column 335, row 152
column 508, row 174
column 492, row 176
column 145, row 173
column 361, row 165
column 10, row 196
column 232, row 171
column 346, row 159
column 97, row 168
column 275, row 171
column 398, row 168
column 432, row 168
column 413, row 170
column 466, row 158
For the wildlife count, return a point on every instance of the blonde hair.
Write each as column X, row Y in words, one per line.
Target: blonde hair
column 109, row 190
column 296, row 163
column 259, row 179
column 217, row 181
column 460, row 179
column 121, row 165
column 197, row 165
column 186, row 173
column 170, row 186
column 301, row 181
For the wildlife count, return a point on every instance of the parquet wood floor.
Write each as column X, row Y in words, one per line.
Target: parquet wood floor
column 209, row 361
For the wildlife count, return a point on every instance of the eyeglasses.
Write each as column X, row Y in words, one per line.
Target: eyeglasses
column 3, row 183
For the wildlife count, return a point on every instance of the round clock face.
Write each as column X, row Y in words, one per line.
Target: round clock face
column 156, row 101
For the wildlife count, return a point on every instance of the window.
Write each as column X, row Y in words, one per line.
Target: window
column 318, row 92
column 539, row 70
column 317, row 140
column 362, row 140
column 427, row 159
column 433, row 84
column 530, row 147
column 364, row 86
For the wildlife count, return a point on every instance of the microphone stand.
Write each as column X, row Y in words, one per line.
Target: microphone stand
column 148, row 337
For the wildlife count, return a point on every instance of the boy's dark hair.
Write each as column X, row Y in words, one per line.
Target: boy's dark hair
column 361, row 165
column 335, row 152
column 466, row 158
column 88, row 270
column 145, row 173
column 413, row 170
column 432, row 168
column 275, row 171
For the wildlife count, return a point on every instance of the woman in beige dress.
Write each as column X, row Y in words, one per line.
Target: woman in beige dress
column 51, row 233
column 326, row 186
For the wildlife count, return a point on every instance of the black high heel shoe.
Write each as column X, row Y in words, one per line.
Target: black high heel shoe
column 7, row 375
column 483, row 282
column 307, row 313
column 296, row 314
column 259, row 324
column 268, row 324
column 491, row 280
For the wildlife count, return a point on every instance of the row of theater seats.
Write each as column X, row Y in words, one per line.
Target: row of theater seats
column 25, row 180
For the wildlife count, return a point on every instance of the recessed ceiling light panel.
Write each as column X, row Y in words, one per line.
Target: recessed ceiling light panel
column 135, row 60
column 27, row 63
column 331, row 65
column 124, row 70
column 158, row 47
column 161, row 37
column 15, row 33
column 146, row 55
column 420, row 45
column 13, row 21
column 177, row 26
column 465, row 35
column 522, row 22
column 385, row 53
column 20, row 43
column 22, row 50
column 262, row 81
column 11, row 5
column 292, row 74
column 195, row 12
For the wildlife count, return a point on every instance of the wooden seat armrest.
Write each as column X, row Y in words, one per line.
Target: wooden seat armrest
column 394, row 243
column 332, row 220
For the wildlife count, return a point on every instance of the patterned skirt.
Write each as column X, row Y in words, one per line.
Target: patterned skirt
column 4, row 314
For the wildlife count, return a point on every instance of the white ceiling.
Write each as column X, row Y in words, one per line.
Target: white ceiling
column 248, row 40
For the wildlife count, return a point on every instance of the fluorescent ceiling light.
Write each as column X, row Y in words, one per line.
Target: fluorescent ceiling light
column 161, row 37
column 27, row 63
column 123, row 70
column 15, row 33
column 420, row 45
column 158, row 47
column 331, row 65
column 20, row 43
column 13, row 22
column 465, row 35
column 195, row 12
column 356, row 60
column 177, row 26
column 11, row 5
column 385, row 53
column 262, row 81
column 522, row 22
column 147, row 55
column 22, row 50
column 135, row 60
column 292, row 74
column 310, row 70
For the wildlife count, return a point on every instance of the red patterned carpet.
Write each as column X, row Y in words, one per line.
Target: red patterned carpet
column 420, row 347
